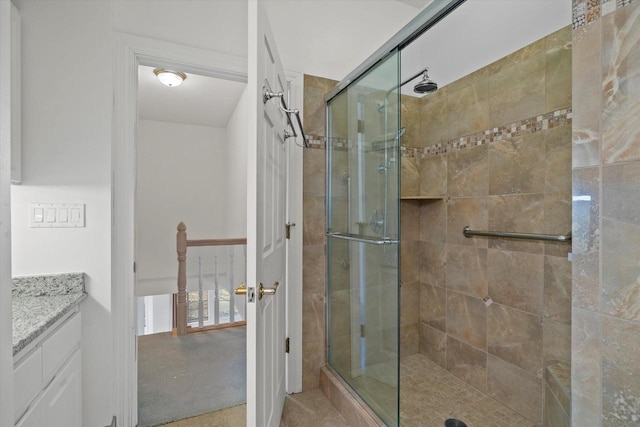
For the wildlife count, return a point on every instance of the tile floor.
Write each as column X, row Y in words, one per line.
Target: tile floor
column 429, row 395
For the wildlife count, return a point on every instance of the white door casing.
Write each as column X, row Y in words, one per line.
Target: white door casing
column 266, row 218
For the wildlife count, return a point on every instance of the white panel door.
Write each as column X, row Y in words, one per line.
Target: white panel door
column 266, row 244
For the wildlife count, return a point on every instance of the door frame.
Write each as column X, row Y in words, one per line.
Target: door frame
column 130, row 52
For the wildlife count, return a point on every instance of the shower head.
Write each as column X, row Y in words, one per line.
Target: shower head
column 426, row 85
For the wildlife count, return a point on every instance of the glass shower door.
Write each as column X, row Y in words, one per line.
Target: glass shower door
column 363, row 161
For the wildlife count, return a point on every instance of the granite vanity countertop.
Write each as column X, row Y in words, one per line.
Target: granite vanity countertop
column 39, row 301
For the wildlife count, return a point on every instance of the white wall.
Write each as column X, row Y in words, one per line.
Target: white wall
column 6, row 354
column 66, row 139
column 237, row 135
column 182, row 176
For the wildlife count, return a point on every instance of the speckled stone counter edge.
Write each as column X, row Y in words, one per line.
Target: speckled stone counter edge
column 48, row 285
column 40, row 301
column 27, row 328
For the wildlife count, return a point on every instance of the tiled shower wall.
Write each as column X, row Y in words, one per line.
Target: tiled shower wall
column 495, row 146
column 313, row 256
column 606, row 223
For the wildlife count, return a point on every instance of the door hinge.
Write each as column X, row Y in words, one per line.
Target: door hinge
column 360, row 126
column 361, row 331
column 134, row 266
column 288, row 229
column 286, row 345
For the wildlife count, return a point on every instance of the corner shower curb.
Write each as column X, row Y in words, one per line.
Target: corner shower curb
column 346, row 401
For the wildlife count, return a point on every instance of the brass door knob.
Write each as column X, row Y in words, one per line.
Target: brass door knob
column 267, row 291
column 242, row 289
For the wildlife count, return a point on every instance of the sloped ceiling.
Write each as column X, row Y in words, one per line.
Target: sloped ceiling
column 330, row 38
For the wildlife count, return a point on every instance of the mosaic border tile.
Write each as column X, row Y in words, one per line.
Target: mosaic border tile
column 587, row 11
column 530, row 125
column 316, row 142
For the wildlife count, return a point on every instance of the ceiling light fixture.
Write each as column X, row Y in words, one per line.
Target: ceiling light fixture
column 169, row 78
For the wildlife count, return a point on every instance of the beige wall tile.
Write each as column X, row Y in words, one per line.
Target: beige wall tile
column 517, row 165
column 620, row 269
column 433, row 221
column 515, row 336
column 340, row 321
column 467, row 172
column 519, row 57
column 517, row 389
column 557, row 342
column 314, row 225
column 586, row 376
column 410, row 220
column 557, row 159
column 516, row 279
column 558, row 69
column 313, row 269
column 522, row 213
column 518, row 91
column 621, row 85
column 467, row 363
column 468, row 109
column 410, row 303
column 467, row 319
column 314, row 173
column 410, row 120
column 410, row 177
column 586, row 211
column 471, row 211
column 557, row 289
column 434, row 262
column 467, row 270
column 475, row 77
column 557, row 220
column 433, row 176
column 433, row 306
column 621, row 240
column 554, row 414
column 620, row 385
column 433, row 344
column 587, row 94
column 409, row 339
column 434, row 123
column 315, row 89
column 313, row 358
column 313, row 323
column 410, row 261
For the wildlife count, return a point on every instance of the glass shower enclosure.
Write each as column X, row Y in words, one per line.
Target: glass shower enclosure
column 363, row 181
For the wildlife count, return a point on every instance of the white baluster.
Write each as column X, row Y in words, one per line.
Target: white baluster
column 216, row 298
column 200, row 299
column 232, row 314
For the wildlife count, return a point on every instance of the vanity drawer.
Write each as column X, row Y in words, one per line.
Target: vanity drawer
column 27, row 380
column 57, row 347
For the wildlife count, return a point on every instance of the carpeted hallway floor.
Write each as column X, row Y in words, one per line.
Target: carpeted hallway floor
column 180, row 377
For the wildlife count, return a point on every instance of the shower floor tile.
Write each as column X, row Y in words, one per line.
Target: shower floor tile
column 430, row 394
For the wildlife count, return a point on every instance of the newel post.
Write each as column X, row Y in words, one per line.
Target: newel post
column 181, row 245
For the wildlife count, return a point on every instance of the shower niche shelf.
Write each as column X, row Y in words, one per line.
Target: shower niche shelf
column 425, row 198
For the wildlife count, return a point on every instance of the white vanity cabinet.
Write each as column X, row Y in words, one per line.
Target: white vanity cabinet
column 47, row 379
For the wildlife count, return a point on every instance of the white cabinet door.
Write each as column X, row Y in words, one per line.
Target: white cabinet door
column 61, row 402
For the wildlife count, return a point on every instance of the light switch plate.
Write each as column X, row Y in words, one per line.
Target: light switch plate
column 56, row 215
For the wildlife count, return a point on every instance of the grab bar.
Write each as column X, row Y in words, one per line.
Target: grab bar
column 362, row 239
column 267, row 95
column 468, row 232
